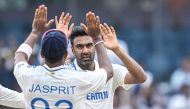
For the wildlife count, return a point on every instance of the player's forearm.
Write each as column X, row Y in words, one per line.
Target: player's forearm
column 12, row 102
column 133, row 67
column 24, row 51
column 11, row 98
column 103, row 60
column 32, row 38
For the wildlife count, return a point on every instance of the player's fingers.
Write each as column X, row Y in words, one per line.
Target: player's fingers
column 68, row 20
column 65, row 18
column 98, row 20
column 36, row 14
column 45, row 14
column 84, row 27
column 42, row 12
column 93, row 19
column 40, row 15
column 39, row 11
column 56, row 21
column 50, row 23
column 35, row 18
column 71, row 28
column 107, row 28
column 88, row 19
column 102, row 29
column 61, row 17
column 113, row 30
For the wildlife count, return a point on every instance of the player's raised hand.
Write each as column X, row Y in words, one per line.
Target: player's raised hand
column 109, row 36
column 63, row 23
column 40, row 24
column 85, row 27
column 93, row 25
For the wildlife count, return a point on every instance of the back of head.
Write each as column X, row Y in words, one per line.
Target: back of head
column 54, row 45
column 76, row 32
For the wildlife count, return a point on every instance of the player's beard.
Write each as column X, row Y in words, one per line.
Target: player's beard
column 87, row 60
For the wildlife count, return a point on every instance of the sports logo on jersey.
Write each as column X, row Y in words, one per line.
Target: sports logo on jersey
column 97, row 95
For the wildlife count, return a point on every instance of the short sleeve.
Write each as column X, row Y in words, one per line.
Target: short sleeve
column 96, row 79
column 20, row 68
column 22, row 71
column 11, row 98
column 119, row 77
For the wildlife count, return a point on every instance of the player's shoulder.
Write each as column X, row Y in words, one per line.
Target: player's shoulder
column 24, row 66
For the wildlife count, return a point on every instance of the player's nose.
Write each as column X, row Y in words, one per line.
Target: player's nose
column 85, row 50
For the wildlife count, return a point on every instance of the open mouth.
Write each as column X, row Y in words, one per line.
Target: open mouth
column 86, row 58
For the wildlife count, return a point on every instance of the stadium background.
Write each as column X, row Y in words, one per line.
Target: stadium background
column 157, row 34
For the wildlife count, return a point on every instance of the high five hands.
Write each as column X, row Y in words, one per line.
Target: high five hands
column 109, row 37
column 93, row 26
column 40, row 24
column 107, row 32
column 63, row 24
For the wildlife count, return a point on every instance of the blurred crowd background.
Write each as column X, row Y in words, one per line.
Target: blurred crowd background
column 156, row 33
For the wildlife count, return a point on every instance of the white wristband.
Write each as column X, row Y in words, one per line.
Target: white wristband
column 25, row 48
column 98, row 42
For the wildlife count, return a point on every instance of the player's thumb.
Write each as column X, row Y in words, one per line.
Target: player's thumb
column 49, row 23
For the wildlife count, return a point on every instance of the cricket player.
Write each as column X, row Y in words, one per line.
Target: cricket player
column 53, row 86
column 125, row 76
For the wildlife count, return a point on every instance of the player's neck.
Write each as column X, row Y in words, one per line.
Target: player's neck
column 56, row 64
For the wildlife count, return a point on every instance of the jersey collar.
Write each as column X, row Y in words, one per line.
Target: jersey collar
column 54, row 68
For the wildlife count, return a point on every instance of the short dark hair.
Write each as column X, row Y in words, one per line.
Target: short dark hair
column 54, row 45
column 76, row 32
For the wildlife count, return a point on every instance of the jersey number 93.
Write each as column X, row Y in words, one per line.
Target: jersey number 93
column 57, row 104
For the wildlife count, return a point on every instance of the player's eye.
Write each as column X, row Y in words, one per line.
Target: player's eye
column 89, row 45
column 79, row 46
